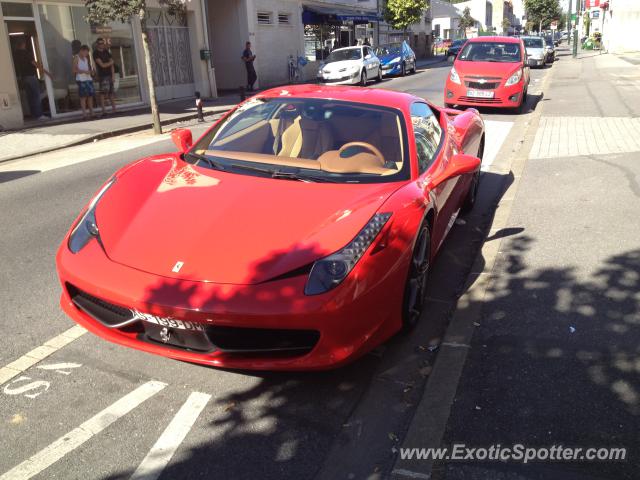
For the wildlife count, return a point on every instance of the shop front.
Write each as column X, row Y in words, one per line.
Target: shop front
column 53, row 33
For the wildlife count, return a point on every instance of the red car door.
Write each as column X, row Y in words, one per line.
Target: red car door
column 434, row 150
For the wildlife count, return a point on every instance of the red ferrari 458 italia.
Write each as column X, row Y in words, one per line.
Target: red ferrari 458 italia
column 295, row 234
column 489, row 71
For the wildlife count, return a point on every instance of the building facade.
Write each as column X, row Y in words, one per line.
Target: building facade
column 50, row 28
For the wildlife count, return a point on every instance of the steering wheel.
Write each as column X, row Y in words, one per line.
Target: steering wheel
column 365, row 145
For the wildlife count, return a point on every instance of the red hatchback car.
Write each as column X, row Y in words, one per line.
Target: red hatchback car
column 489, row 71
column 296, row 233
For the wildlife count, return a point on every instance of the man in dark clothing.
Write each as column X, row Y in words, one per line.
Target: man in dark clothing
column 105, row 70
column 248, row 57
column 27, row 74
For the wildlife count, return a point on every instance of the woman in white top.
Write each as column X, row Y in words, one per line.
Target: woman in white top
column 84, row 73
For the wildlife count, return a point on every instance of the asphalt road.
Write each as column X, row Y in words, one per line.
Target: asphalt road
column 252, row 425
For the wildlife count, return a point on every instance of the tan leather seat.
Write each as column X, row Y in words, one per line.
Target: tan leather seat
column 305, row 138
column 385, row 137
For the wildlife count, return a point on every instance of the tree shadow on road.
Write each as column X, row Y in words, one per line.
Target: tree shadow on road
column 555, row 361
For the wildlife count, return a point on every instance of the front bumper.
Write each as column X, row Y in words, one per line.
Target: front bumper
column 242, row 321
column 391, row 69
column 536, row 62
column 506, row 97
column 350, row 79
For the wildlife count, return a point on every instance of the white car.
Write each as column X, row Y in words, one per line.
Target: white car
column 536, row 53
column 350, row 66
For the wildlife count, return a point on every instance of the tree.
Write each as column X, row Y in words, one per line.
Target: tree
column 466, row 21
column 542, row 12
column 105, row 11
column 402, row 13
column 506, row 24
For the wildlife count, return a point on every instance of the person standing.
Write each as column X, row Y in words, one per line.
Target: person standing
column 248, row 58
column 105, row 69
column 27, row 73
column 84, row 72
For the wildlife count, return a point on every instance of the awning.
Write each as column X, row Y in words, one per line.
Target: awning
column 314, row 15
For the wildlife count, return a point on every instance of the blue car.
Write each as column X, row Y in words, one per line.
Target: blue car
column 397, row 59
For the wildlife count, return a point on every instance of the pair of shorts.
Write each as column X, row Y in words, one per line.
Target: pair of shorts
column 85, row 89
column 105, row 86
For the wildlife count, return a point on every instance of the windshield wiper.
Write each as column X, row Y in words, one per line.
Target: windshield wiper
column 299, row 177
column 283, row 175
column 212, row 163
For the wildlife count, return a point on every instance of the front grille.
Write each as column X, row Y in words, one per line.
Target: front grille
column 482, row 86
column 238, row 339
column 334, row 80
column 480, row 100
column 225, row 339
column 104, row 312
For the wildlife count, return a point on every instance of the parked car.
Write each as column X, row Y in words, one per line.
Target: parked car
column 536, row 53
column 549, row 50
column 489, row 71
column 351, row 65
column 455, row 47
column 397, row 59
column 296, row 234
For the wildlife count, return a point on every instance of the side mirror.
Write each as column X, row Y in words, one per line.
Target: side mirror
column 459, row 164
column 182, row 138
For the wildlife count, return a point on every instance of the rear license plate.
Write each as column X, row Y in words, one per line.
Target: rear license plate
column 167, row 321
column 480, row 93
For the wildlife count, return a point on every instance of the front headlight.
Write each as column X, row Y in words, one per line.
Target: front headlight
column 515, row 78
column 455, row 78
column 327, row 273
column 396, row 60
column 87, row 227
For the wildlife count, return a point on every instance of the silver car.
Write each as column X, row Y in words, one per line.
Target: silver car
column 350, row 66
column 536, row 54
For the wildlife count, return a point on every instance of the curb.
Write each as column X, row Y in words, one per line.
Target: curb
column 427, row 428
column 115, row 133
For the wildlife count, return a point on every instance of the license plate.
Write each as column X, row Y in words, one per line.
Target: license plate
column 167, row 321
column 480, row 93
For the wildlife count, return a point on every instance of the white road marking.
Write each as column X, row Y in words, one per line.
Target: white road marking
column 160, row 454
column 76, row 437
column 29, row 359
column 60, row 367
column 495, row 134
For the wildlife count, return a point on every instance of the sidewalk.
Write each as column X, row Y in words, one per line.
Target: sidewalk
column 55, row 135
column 554, row 356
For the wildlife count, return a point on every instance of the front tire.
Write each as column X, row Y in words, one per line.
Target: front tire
column 379, row 77
column 416, row 285
column 522, row 108
column 403, row 70
column 363, row 78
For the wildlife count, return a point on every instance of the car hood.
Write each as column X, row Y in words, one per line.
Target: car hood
column 384, row 59
column 227, row 228
column 337, row 66
column 485, row 69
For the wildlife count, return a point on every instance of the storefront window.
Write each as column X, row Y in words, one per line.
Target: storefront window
column 11, row 9
column 61, row 25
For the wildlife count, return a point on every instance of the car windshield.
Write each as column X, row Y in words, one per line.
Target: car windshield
column 533, row 42
column 490, row 52
column 392, row 50
column 308, row 139
column 344, row 54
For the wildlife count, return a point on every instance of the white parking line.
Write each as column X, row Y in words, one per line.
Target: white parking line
column 495, row 134
column 76, row 437
column 29, row 359
column 160, row 454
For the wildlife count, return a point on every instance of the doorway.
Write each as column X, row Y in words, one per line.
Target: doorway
column 22, row 33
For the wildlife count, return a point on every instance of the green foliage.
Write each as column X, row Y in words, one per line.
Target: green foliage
column 402, row 13
column 542, row 11
column 467, row 21
column 105, row 11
